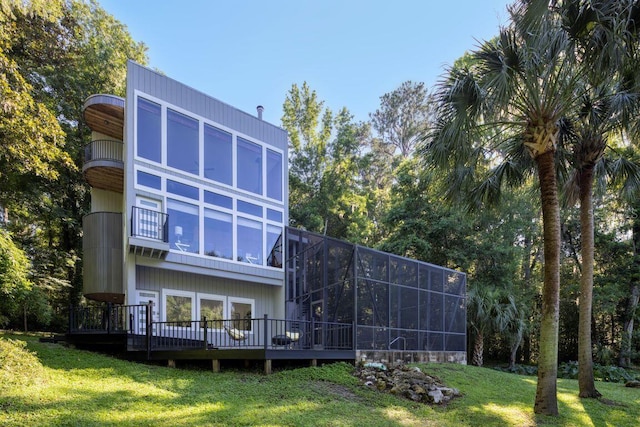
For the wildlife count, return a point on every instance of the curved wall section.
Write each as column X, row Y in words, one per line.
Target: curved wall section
column 102, row 246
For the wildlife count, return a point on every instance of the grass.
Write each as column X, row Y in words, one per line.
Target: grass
column 51, row 385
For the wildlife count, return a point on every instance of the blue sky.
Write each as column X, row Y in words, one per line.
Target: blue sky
column 350, row 52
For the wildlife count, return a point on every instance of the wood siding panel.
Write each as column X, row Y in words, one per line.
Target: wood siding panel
column 102, row 247
column 154, row 279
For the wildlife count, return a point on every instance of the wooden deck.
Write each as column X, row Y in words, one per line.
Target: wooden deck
column 128, row 333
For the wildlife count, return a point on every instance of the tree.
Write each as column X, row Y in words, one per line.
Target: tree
column 31, row 137
column 14, row 278
column 519, row 86
column 325, row 187
column 609, row 98
column 402, row 117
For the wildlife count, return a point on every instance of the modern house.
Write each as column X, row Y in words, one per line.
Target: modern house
column 188, row 230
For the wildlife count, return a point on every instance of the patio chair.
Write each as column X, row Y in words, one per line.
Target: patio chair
column 235, row 334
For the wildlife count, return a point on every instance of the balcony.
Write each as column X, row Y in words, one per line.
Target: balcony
column 103, row 164
column 149, row 233
column 105, row 114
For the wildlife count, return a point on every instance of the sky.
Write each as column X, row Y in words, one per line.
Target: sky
column 351, row 52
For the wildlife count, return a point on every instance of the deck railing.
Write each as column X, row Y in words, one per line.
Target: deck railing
column 206, row 334
column 108, row 318
column 149, row 224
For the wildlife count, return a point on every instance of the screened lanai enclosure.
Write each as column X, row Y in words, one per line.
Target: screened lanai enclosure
column 395, row 303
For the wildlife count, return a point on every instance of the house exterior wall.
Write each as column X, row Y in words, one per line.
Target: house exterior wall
column 187, row 273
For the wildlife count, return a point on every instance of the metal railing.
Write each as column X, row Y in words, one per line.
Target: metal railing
column 149, row 224
column 103, row 149
column 108, row 318
column 206, row 334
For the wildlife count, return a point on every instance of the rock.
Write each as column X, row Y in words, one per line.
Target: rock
column 634, row 384
column 436, row 396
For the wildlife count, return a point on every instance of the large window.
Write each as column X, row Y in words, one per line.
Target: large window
column 218, row 155
column 274, row 175
column 218, row 234
column 249, row 241
column 274, row 246
column 149, row 130
column 249, row 166
column 184, row 232
column 179, row 308
column 182, row 142
column 212, row 308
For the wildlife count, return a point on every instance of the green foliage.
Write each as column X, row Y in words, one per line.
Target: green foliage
column 19, row 367
column 14, row 278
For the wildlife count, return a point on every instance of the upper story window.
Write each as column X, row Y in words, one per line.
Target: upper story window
column 274, row 175
column 218, row 155
column 249, row 166
column 149, row 128
column 182, row 142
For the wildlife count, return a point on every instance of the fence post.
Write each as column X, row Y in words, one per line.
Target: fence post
column 265, row 333
column 354, row 340
column 313, row 332
column 205, row 332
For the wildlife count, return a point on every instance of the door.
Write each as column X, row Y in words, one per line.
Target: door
column 147, row 219
column 139, row 321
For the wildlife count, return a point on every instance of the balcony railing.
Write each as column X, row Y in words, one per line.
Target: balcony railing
column 149, row 224
column 103, row 149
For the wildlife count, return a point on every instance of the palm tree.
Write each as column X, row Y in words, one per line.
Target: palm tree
column 490, row 310
column 609, row 99
column 515, row 90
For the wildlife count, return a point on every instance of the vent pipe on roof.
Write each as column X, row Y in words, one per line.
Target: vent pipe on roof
column 260, row 109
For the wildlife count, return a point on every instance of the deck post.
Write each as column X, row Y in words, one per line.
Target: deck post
column 314, row 362
column 108, row 319
column 265, row 332
column 267, row 366
column 205, row 332
column 171, row 363
column 215, row 365
column 147, row 321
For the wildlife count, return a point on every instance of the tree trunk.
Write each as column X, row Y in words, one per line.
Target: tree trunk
column 546, row 392
column 514, row 351
column 634, row 296
column 586, row 381
column 478, row 350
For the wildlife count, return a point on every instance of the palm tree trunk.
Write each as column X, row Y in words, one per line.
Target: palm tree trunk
column 546, row 392
column 634, row 297
column 478, row 349
column 586, row 381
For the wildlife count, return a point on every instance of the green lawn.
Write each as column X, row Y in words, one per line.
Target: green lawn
column 49, row 384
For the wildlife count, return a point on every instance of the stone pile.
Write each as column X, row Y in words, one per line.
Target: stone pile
column 408, row 382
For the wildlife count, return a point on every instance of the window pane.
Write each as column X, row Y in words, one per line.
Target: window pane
column 274, row 215
column 249, row 166
column 182, row 142
column 179, row 310
column 249, row 208
column 241, row 315
column 218, row 160
column 274, row 175
column 148, row 180
column 274, row 246
column 182, row 189
column 218, row 234
column 249, row 241
column 213, row 311
column 218, row 199
column 148, row 130
column 183, row 226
